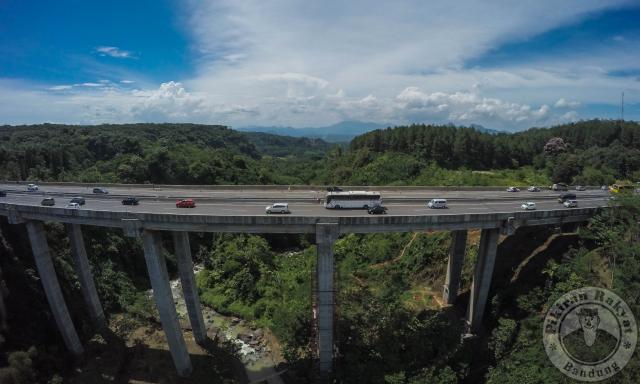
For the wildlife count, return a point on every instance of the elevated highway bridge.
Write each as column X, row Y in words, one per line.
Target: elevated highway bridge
column 241, row 209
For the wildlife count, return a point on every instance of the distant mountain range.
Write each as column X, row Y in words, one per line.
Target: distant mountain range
column 336, row 133
column 339, row 132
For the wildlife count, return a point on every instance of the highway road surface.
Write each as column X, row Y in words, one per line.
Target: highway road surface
column 251, row 202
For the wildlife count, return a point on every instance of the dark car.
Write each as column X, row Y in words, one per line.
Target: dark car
column 48, row 202
column 100, row 190
column 559, row 187
column 334, row 189
column 186, row 203
column 77, row 199
column 566, row 196
column 130, row 201
column 377, row 210
column 3, row 193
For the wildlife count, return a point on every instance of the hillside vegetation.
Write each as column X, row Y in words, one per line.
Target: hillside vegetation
column 391, row 327
column 591, row 152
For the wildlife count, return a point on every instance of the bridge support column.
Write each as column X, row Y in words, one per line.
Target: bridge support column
column 454, row 266
column 164, row 301
column 83, row 270
column 189, row 288
column 326, row 235
column 51, row 286
column 482, row 277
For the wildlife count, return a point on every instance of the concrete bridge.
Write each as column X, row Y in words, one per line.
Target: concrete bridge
column 327, row 229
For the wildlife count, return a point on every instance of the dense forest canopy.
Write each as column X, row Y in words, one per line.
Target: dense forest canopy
column 390, row 328
column 588, row 152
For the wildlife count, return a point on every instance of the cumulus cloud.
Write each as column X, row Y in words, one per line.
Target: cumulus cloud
column 114, row 52
column 467, row 107
column 309, row 64
column 563, row 103
column 60, row 87
column 570, row 116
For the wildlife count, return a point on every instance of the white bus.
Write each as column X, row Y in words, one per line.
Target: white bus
column 352, row 199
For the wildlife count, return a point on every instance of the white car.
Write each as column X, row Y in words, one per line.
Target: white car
column 528, row 206
column 570, row 203
column 437, row 203
column 513, row 189
column 581, row 188
column 278, row 208
column 533, row 188
column 32, row 187
column 72, row 206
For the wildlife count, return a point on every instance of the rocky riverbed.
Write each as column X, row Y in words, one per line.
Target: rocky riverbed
column 257, row 348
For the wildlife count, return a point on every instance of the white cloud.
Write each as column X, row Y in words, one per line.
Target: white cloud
column 570, row 116
column 563, row 103
column 466, row 108
column 60, row 87
column 114, row 52
column 284, row 62
column 89, row 84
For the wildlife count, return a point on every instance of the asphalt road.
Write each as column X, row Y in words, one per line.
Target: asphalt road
column 301, row 203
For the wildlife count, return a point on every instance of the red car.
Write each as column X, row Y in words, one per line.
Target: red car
column 186, row 203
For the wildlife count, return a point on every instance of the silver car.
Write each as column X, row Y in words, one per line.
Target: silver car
column 570, row 203
column 528, row 206
column 278, row 208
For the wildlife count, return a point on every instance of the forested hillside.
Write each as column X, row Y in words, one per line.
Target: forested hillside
column 391, row 327
column 590, row 152
column 145, row 153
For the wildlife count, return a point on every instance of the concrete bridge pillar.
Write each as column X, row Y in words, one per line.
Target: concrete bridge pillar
column 454, row 266
column 51, row 286
column 164, row 301
column 482, row 277
column 326, row 235
column 189, row 288
column 83, row 270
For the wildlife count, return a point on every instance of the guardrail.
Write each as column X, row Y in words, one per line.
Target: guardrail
column 280, row 187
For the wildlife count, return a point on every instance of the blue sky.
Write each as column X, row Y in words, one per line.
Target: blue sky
column 500, row 64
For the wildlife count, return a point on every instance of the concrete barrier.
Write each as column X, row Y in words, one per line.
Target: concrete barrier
column 281, row 187
column 291, row 223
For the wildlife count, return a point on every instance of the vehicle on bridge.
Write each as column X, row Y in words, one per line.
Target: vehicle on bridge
column 185, row 203
column 621, row 188
column 352, row 199
column 566, row 196
column 559, row 187
column 278, row 208
column 513, row 189
column 581, row 188
column 570, row 203
column 72, row 206
column 437, row 203
column 78, row 199
column 528, row 206
column 130, row 201
column 100, row 190
column 377, row 210
column 334, row 189
column 533, row 188
column 48, row 202
column 3, row 193
column 32, row 188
